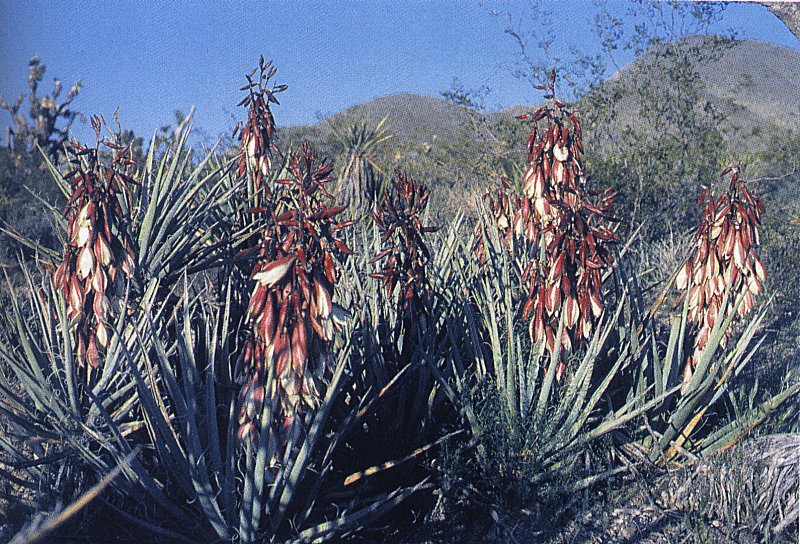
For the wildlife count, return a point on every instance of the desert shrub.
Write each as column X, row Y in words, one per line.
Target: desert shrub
column 21, row 171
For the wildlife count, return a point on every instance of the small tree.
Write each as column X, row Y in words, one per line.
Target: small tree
column 45, row 114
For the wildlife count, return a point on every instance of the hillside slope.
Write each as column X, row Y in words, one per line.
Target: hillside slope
column 756, row 84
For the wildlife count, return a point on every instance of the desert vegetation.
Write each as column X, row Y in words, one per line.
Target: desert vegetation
column 256, row 343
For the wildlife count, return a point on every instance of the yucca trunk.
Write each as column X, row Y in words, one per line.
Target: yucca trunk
column 360, row 183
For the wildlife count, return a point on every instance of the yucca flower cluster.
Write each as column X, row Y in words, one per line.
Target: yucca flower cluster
column 724, row 261
column 511, row 215
column 567, row 232
column 256, row 137
column 98, row 253
column 399, row 219
column 291, row 316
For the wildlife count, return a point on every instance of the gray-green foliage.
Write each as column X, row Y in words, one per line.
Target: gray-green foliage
column 165, row 383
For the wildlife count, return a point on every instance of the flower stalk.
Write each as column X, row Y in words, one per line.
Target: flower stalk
column 291, row 317
column 98, row 253
column 256, row 137
column 399, row 219
column 724, row 265
column 564, row 229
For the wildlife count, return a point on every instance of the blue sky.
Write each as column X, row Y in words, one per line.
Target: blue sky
column 150, row 58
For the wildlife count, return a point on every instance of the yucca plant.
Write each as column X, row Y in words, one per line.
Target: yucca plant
column 61, row 431
column 576, row 245
column 718, row 282
column 272, row 471
column 406, row 338
column 537, row 329
column 360, row 180
column 291, row 313
column 404, row 348
column 98, row 255
column 128, row 233
column 724, row 261
column 224, row 488
column 255, row 460
column 568, row 244
column 539, row 249
column 175, row 211
column 531, row 432
column 399, row 219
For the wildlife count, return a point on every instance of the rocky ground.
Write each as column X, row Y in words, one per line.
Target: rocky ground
column 746, row 495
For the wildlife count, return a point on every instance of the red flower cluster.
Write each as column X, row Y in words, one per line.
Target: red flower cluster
column 257, row 135
column 399, row 219
column 98, row 251
column 291, row 315
column 724, row 259
column 554, row 216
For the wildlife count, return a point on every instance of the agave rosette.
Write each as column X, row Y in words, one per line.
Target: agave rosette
column 256, row 137
column 724, row 265
column 291, row 316
column 98, row 253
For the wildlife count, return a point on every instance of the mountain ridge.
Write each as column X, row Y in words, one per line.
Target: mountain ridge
column 762, row 78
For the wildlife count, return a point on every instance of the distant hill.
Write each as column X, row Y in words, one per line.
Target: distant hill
column 414, row 120
column 756, row 85
column 763, row 79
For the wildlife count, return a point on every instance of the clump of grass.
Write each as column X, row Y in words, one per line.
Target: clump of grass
column 753, row 484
